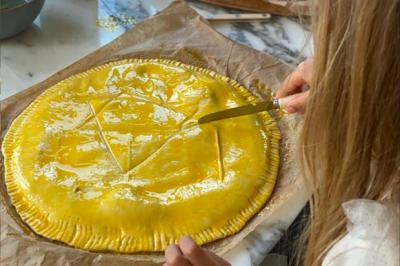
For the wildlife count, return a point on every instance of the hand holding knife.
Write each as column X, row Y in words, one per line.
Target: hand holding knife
column 247, row 109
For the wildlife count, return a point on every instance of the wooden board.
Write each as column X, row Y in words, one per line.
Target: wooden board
column 283, row 8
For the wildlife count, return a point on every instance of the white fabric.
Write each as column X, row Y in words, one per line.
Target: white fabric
column 372, row 238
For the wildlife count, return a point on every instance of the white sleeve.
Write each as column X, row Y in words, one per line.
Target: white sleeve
column 372, row 236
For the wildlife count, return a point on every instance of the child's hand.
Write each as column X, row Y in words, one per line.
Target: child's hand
column 293, row 84
column 187, row 253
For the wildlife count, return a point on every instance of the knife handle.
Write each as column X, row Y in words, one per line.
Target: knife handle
column 285, row 100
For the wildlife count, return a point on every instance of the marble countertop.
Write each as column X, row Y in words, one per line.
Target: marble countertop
column 66, row 30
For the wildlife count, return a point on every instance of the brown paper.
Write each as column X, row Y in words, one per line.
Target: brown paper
column 177, row 33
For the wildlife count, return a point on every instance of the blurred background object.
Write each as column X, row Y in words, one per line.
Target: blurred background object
column 17, row 15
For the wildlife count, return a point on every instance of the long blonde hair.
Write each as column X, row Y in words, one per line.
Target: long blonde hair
column 350, row 144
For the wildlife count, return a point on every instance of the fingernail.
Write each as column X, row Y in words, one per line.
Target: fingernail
column 186, row 240
column 171, row 246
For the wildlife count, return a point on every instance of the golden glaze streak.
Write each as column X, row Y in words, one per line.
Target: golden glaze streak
column 168, row 176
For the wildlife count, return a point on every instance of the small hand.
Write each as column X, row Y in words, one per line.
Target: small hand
column 293, row 84
column 187, row 253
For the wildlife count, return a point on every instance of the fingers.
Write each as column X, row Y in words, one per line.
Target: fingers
column 188, row 253
column 195, row 254
column 298, row 104
column 307, row 68
column 293, row 83
column 174, row 257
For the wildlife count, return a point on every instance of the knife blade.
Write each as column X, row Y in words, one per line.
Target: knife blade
column 247, row 109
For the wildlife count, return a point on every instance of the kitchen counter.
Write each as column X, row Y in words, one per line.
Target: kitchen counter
column 66, row 30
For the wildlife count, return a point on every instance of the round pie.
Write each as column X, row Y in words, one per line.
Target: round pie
column 113, row 159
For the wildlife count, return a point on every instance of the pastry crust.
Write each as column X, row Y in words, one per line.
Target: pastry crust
column 112, row 159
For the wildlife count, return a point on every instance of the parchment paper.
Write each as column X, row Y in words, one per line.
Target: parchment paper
column 177, row 33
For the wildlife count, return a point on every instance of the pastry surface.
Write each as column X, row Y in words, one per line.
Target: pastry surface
column 112, row 159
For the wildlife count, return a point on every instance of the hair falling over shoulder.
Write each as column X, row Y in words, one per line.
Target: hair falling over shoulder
column 350, row 143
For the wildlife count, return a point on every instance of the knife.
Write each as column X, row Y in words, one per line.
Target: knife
column 247, row 109
column 240, row 17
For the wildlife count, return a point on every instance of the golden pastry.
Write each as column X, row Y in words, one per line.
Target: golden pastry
column 113, row 159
